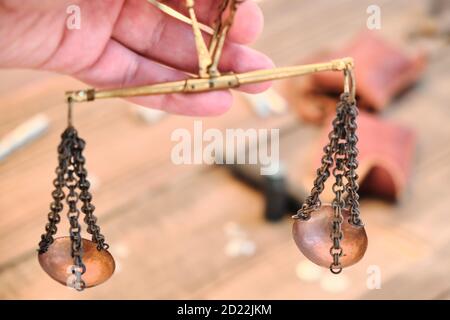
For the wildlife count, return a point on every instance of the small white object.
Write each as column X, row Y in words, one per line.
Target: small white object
column 248, row 248
column 240, row 247
column 120, row 250
column 117, row 266
column 334, row 283
column 232, row 229
column 95, row 182
column 150, row 116
column 232, row 249
column 308, row 271
column 267, row 103
column 23, row 134
column 238, row 243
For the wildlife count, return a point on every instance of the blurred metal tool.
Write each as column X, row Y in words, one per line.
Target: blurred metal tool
column 281, row 197
column 23, row 134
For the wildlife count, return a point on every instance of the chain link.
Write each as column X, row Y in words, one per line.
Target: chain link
column 72, row 175
column 58, row 195
column 338, row 203
column 312, row 202
column 351, row 165
column 73, row 214
column 341, row 152
column 85, row 196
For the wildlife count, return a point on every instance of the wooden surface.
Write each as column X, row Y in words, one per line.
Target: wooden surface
column 168, row 226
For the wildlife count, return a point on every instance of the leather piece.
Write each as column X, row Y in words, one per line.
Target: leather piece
column 382, row 71
column 386, row 151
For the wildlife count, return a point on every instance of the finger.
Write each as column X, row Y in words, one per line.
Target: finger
column 121, row 67
column 239, row 59
column 247, row 24
column 249, row 17
column 193, row 104
column 171, row 42
column 37, row 5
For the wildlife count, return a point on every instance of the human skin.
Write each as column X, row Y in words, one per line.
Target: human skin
column 124, row 43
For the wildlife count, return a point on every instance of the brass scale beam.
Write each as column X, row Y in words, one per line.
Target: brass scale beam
column 209, row 78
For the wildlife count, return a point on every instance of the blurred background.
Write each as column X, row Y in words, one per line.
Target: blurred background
column 203, row 232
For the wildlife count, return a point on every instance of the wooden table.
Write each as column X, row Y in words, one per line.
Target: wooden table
column 168, row 226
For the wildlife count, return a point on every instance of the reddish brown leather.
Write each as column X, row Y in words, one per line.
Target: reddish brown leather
column 382, row 72
column 386, row 152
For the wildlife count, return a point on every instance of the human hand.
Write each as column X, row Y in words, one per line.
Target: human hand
column 124, row 43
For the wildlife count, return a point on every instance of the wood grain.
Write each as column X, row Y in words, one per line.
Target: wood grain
column 167, row 224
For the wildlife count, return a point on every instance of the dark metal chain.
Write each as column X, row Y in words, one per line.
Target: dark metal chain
column 73, row 214
column 346, row 165
column 85, row 196
column 58, row 195
column 66, row 178
column 338, row 203
column 312, row 202
column 72, row 174
column 342, row 152
column 352, row 164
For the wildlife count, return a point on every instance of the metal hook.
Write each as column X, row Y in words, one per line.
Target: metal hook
column 69, row 111
column 350, row 83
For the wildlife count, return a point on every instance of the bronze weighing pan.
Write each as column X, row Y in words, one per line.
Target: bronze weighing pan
column 57, row 262
column 313, row 238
